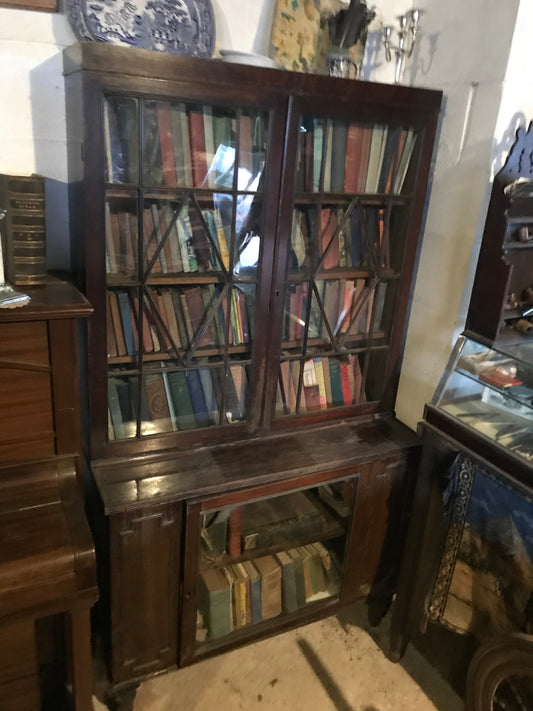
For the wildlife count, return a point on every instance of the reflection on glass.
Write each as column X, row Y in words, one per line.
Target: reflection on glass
column 271, row 557
column 236, row 393
column 122, row 400
column 121, row 135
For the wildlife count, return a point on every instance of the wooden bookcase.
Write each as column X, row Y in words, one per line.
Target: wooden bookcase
column 248, row 239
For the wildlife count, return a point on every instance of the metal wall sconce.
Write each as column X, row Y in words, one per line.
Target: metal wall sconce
column 406, row 36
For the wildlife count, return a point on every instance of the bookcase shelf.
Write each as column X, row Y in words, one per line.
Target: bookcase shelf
column 248, row 239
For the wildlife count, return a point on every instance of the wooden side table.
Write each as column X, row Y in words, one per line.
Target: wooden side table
column 47, row 559
column 47, row 566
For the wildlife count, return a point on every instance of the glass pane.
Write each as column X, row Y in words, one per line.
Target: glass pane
column 181, row 238
column 271, row 557
column 121, row 237
column 121, row 135
column 122, row 393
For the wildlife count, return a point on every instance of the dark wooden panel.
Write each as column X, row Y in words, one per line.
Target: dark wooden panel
column 376, row 540
column 144, row 596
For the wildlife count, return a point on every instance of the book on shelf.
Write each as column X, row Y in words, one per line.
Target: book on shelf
column 166, row 138
column 375, row 157
column 241, row 595
column 255, row 590
column 152, row 156
column 200, row 242
column 316, row 154
column 273, row 521
column 197, row 398
column 181, row 399
column 270, row 572
column 328, row 138
column 114, row 310
column 404, row 161
column 311, row 391
column 299, row 580
column 215, row 602
column 288, row 582
column 390, row 151
column 156, row 399
column 126, row 322
column 23, row 229
column 197, row 147
column 358, row 140
column 330, row 243
column 338, row 155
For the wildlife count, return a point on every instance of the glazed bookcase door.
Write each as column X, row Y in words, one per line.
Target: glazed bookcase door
column 341, row 270
column 262, row 559
column 184, row 216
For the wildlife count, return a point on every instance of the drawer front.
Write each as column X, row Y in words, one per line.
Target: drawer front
column 26, row 402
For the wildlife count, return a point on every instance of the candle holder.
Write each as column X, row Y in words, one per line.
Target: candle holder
column 406, row 36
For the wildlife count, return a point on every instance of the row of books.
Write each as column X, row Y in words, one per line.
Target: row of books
column 353, row 157
column 325, row 382
column 173, row 318
column 360, row 240
column 186, row 248
column 248, row 592
column 184, row 145
column 176, row 400
column 348, row 306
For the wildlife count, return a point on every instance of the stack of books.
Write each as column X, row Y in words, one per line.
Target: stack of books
column 23, row 229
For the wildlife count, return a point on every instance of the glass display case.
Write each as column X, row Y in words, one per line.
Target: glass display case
column 490, row 390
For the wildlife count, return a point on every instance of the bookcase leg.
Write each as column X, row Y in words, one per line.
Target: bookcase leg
column 122, row 699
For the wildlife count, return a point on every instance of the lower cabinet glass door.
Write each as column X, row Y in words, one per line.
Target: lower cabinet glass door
column 265, row 557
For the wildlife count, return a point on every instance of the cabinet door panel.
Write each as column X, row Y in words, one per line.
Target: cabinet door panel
column 376, row 539
column 145, row 579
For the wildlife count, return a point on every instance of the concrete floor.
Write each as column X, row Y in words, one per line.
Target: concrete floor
column 330, row 665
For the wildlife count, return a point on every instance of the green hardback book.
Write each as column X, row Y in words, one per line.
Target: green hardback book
column 336, row 382
column 214, row 602
column 288, row 581
column 182, row 400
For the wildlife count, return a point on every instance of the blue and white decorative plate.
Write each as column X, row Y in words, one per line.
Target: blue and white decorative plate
column 174, row 26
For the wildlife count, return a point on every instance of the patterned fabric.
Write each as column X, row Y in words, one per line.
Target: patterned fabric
column 484, row 582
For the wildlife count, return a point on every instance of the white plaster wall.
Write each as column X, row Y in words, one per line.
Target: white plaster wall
column 452, row 53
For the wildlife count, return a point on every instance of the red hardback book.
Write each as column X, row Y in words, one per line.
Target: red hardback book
column 166, row 139
column 148, row 344
column 347, row 394
column 357, row 151
column 328, row 225
column 197, row 145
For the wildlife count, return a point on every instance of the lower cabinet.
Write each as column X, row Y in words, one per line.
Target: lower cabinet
column 248, row 558
column 145, row 583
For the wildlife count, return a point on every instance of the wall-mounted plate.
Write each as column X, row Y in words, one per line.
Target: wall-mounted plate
column 173, row 26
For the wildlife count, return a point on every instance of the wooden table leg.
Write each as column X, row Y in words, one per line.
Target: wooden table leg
column 81, row 659
column 19, row 670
